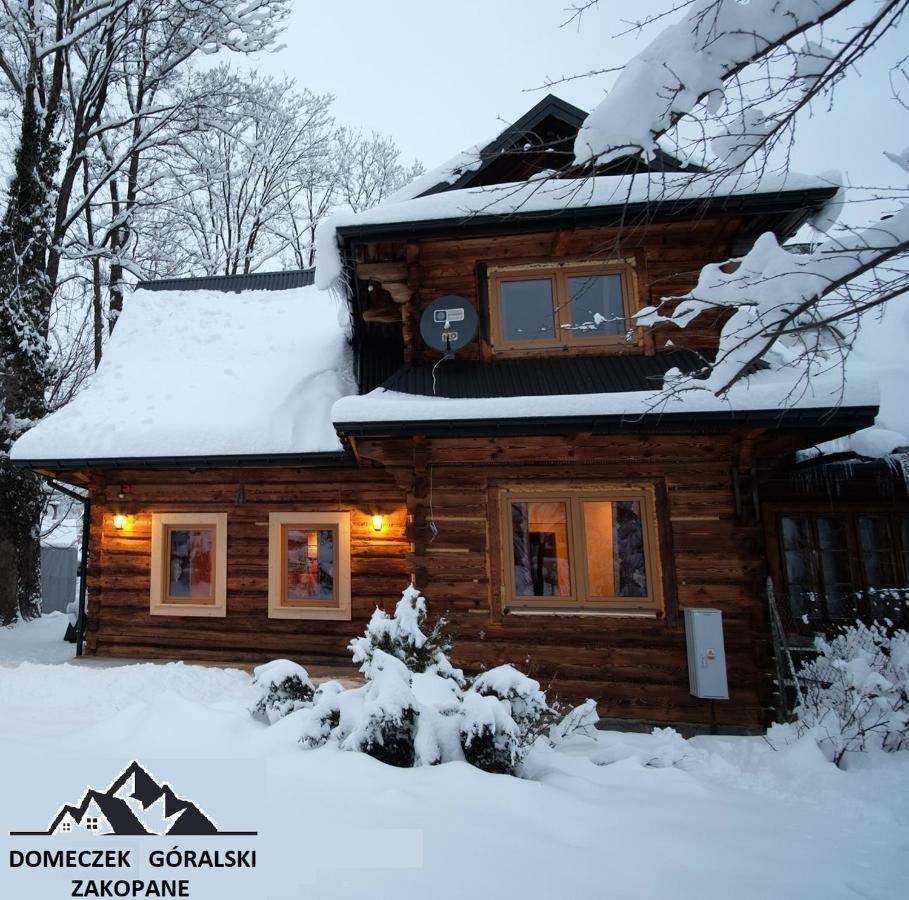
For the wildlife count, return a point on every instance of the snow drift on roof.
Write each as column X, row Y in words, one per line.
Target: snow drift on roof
column 449, row 172
column 204, row 373
column 548, row 195
column 763, row 391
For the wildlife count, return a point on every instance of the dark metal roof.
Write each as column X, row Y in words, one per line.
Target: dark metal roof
column 516, row 133
column 526, row 377
column 255, row 281
column 843, row 420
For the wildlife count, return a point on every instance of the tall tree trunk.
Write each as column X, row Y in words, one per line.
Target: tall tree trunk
column 25, row 301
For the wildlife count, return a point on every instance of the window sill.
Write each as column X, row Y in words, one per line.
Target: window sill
column 326, row 614
column 166, row 609
column 589, row 613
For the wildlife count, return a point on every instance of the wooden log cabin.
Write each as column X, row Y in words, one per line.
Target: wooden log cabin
column 261, row 499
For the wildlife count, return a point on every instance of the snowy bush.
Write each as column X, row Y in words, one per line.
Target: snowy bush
column 855, row 694
column 284, row 688
column 403, row 636
column 414, row 711
column 503, row 713
column 398, row 717
column 388, row 719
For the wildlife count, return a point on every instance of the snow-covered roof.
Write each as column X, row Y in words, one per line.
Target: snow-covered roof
column 771, row 391
column 543, row 196
column 207, row 373
column 879, row 353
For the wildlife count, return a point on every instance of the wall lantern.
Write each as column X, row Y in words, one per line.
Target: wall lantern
column 119, row 521
column 378, row 522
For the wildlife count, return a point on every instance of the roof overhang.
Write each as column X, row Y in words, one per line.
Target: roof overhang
column 298, row 460
column 843, row 420
column 791, row 207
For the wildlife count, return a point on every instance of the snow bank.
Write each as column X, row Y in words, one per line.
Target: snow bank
column 37, row 641
column 522, row 198
column 710, row 818
column 203, row 373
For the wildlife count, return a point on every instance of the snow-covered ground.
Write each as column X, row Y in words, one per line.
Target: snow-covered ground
column 39, row 641
column 622, row 816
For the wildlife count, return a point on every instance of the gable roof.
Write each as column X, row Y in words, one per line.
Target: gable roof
column 207, row 376
column 542, row 138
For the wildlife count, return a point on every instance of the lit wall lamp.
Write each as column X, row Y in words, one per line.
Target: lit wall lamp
column 378, row 522
column 119, row 521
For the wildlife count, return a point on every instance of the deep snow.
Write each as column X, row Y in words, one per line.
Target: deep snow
column 208, row 373
column 625, row 816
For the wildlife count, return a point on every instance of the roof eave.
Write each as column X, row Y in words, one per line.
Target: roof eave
column 217, row 461
column 844, row 419
column 781, row 203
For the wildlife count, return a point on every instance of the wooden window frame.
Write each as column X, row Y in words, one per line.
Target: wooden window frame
column 160, row 603
column 558, row 274
column 849, row 513
column 580, row 601
column 279, row 607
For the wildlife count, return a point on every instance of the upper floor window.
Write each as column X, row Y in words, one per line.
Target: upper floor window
column 569, row 305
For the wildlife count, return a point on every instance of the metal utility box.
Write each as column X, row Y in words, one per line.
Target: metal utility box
column 706, row 654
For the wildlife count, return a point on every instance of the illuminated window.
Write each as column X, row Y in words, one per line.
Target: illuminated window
column 580, row 550
column 189, row 564
column 559, row 307
column 309, row 565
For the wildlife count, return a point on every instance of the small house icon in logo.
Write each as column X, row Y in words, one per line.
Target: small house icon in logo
column 135, row 804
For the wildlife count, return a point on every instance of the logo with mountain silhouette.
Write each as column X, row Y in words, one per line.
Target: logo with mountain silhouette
column 135, row 804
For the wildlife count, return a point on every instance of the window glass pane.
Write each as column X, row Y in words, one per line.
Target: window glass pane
column 877, row 551
column 540, row 540
column 527, row 310
column 796, row 533
column 831, row 533
column 190, row 559
column 309, row 563
column 595, row 305
column 614, row 536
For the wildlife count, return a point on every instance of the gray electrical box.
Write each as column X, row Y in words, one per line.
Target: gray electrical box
column 706, row 654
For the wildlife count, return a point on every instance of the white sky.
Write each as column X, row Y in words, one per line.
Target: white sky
column 440, row 76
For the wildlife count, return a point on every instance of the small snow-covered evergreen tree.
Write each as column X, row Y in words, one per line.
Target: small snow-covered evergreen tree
column 404, row 636
column 413, row 710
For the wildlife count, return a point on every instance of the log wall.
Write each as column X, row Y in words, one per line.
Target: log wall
column 668, row 259
column 119, row 623
column 635, row 667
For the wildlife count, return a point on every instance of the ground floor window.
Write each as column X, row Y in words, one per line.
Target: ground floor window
column 309, row 565
column 580, row 549
column 843, row 566
column 189, row 564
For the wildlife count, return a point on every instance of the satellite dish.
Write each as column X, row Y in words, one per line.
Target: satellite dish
column 449, row 323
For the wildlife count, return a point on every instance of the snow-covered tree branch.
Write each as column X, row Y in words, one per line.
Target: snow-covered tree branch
column 726, row 83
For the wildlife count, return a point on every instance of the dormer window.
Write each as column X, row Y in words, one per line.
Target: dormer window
column 560, row 307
